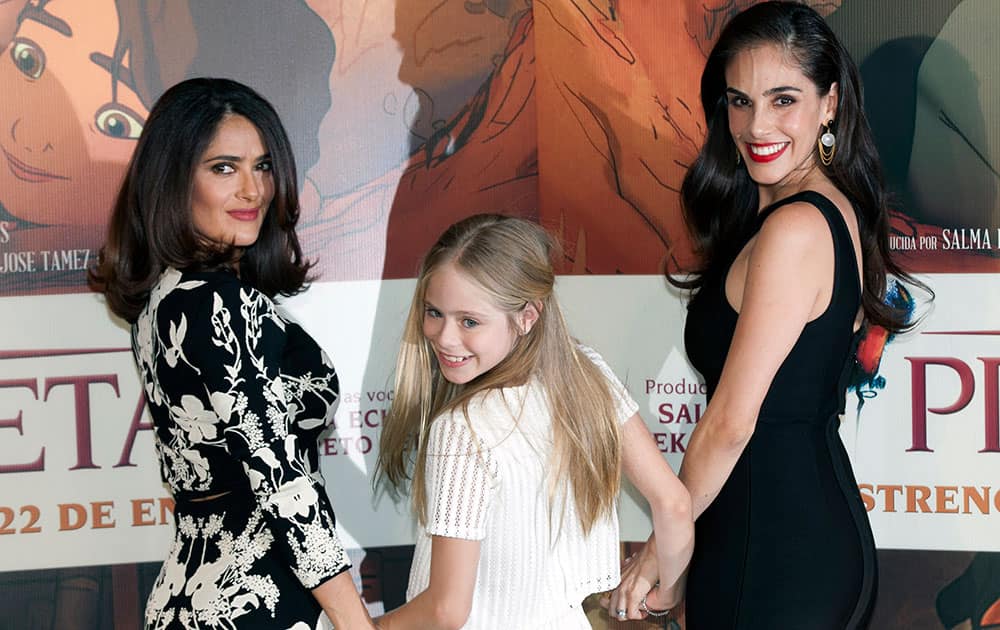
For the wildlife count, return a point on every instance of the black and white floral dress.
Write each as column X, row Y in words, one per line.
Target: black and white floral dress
column 238, row 397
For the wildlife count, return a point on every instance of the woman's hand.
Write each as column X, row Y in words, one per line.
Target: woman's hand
column 639, row 577
column 665, row 598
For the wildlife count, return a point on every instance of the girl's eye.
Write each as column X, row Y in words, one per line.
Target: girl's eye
column 784, row 100
column 223, row 168
column 28, row 57
column 738, row 101
column 265, row 166
column 117, row 121
column 432, row 312
column 469, row 323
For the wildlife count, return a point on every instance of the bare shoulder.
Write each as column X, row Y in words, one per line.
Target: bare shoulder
column 795, row 226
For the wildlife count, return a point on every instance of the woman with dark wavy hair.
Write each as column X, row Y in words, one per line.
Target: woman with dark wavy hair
column 786, row 205
column 201, row 239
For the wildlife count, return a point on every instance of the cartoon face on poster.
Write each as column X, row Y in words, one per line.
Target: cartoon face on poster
column 81, row 78
column 63, row 140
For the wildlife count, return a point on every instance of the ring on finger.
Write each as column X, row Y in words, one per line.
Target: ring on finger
column 650, row 611
column 621, row 613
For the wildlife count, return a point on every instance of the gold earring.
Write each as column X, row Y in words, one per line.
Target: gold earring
column 827, row 145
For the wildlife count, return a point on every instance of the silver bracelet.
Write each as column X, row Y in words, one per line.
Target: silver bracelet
column 649, row 611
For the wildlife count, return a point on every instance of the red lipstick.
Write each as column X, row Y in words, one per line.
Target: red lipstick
column 770, row 157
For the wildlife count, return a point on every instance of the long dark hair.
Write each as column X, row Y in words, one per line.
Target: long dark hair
column 719, row 198
column 151, row 226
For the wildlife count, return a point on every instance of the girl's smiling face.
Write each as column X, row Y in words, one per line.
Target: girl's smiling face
column 64, row 140
column 469, row 334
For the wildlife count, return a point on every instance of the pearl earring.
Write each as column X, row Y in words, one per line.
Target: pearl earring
column 827, row 145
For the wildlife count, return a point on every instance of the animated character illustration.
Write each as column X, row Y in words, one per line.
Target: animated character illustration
column 81, row 78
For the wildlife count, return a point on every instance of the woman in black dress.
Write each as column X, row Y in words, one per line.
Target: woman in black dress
column 787, row 206
column 202, row 238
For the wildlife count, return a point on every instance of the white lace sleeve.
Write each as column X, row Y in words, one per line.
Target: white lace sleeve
column 625, row 405
column 460, row 480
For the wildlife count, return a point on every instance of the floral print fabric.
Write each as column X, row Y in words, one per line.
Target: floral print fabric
column 238, row 397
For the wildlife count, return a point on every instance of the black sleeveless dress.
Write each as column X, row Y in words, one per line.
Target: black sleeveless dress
column 787, row 543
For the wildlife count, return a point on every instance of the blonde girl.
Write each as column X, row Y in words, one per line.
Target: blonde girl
column 511, row 438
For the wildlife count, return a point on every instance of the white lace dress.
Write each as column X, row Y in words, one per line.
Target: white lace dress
column 238, row 397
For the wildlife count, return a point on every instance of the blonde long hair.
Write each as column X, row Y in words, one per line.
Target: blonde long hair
column 511, row 259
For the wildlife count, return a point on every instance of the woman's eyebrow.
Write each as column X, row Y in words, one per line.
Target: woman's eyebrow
column 43, row 17
column 237, row 158
column 772, row 91
column 780, row 89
